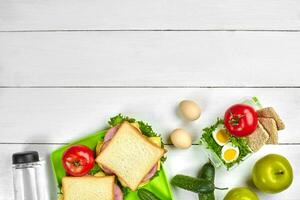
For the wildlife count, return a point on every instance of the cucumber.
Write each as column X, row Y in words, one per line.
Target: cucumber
column 208, row 196
column 207, row 172
column 144, row 194
column 196, row 185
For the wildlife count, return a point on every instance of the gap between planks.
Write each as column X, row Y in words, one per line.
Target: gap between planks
column 152, row 30
column 145, row 86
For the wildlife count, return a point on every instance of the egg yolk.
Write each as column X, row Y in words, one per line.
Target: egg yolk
column 229, row 154
column 222, row 136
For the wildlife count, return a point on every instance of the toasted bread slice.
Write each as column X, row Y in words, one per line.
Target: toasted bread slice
column 269, row 112
column 130, row 155
column 258, row 138
column 269, row 125
column 88, row 187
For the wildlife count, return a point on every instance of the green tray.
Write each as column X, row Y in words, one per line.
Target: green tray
column 158, row 185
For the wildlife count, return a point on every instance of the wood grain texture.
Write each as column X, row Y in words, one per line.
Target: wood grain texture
column 149, row 59
column 58, row 115
column 179, row 162
column 144, row 14
column 140, row 65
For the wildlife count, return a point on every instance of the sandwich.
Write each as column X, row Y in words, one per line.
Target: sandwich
column 129, row 153
column 88, row 187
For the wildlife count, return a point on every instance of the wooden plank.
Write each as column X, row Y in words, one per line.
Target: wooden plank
column 137, row 14
column 149, row 59
column 58, row 115
column 178, row 162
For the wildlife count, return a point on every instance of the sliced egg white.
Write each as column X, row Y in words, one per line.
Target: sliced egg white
column 220, row 135
column 230, row 153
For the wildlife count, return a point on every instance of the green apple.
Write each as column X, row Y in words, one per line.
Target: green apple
column 272, row 173
column 241, row 193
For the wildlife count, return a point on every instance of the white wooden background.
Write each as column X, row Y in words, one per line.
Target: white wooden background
column 67, row 66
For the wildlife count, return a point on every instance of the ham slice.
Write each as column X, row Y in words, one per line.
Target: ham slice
column 110, row 133
column 151, row 173
column 107, row 171
column 118, row 194
column 104, row 145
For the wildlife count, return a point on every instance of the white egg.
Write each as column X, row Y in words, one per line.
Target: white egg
column 221, row 135
column 189, row 110
column 180, row 138
column 230, row 153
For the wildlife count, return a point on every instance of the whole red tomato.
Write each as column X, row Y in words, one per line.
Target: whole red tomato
column 240, row 120
column 78, row 160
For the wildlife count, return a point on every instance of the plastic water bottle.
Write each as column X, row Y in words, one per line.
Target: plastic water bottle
column 29, row 176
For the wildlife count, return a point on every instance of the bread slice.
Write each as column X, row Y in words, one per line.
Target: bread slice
column 258, row 138
column 88, row 187
column 269, row 125
column 130, row 155
column 269, row 112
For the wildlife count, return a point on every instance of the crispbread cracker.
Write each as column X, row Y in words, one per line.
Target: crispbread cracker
column 269, row 125
column 258, row 138
column 269, row 112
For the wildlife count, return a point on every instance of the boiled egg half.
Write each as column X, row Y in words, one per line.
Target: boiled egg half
column 221, row 136
column 230, row 153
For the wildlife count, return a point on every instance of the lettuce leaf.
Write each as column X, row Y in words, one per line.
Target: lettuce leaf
column 145, row 128
column 215, row 147
column 119, row 119
column 95, row 170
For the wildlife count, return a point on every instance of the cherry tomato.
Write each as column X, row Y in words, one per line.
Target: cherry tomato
column 78, row 160
column 240, row 120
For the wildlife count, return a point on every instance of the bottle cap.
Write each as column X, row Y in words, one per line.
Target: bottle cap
column 25, row 157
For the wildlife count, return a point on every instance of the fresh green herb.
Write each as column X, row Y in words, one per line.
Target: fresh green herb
column 95, row 170
column 146, row 129
column 208, row 138
column 119, row 119
column 213, row 145
column 243, row 147
column 163, row 159
column 125, row 190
